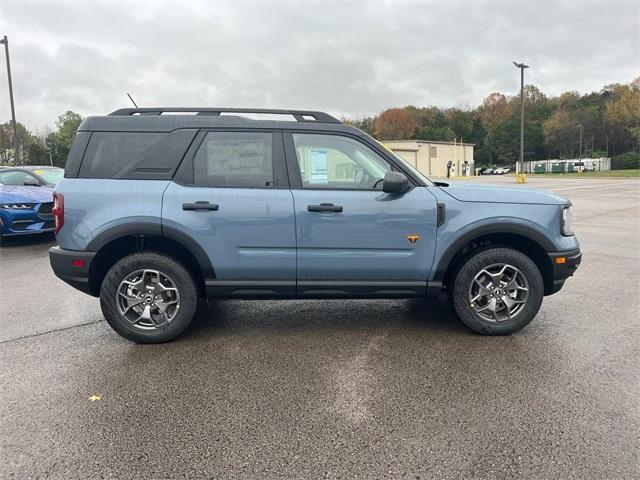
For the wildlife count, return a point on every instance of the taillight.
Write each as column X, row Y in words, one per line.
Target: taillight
column 58, row 210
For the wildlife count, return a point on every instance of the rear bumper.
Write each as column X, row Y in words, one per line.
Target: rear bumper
column 72, row 267
column 565, row 265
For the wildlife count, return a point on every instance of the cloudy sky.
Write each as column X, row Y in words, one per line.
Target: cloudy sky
column 348, row 58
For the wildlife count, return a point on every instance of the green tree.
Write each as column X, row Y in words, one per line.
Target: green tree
column 560, row 132
column 60, row 143
column 364, row 123
column 495, row 112
column 31, row 148
column 431, row 124
column 622, row 115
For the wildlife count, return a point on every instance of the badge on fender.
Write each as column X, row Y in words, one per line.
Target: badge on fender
column 413, row 238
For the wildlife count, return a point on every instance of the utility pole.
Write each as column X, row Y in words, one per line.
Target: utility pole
column 16, row 142
column 520, row 164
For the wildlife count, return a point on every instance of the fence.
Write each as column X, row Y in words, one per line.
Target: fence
column 567, row 166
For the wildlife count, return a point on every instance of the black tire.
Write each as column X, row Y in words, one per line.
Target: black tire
column 460, row 291
column 181, row 277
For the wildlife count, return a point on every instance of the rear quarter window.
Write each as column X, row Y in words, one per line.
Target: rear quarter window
column 108, row 153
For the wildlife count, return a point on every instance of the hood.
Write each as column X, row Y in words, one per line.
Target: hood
column 20, row 194
column 472, row 192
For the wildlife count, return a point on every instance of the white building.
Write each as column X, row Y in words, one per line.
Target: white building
column 432, row 158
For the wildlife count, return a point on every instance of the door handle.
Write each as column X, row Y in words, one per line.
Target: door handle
column 324, row 207
column 200, row 205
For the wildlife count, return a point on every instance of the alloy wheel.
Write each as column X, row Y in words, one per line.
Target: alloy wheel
column 148, row 299
column 499, row 292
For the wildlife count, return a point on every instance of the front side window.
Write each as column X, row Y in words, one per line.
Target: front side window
column 337, row 162
column 235, row 160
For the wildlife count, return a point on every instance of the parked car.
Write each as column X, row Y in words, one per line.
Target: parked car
column 35, row 176
column 156, row 211
column 501, row 170
column 25, row 210
column 584, row 167
column 487, row 171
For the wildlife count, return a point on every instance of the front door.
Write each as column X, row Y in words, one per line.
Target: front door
column 232, row 197
column 352, row 238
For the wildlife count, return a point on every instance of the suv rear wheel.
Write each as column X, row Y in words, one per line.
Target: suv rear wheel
column 148, row 297
column 497, row 291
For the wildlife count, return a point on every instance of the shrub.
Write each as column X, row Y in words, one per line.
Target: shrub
column 626, row 161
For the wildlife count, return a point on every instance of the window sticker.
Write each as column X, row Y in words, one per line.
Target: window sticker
column 318, row 165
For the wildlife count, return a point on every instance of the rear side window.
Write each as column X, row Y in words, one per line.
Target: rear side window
column 109, row 152
column 235, row 160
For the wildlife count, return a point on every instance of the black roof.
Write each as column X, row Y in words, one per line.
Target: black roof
column 157, row 120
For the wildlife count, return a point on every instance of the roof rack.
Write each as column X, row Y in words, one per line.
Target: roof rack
column 299, row 115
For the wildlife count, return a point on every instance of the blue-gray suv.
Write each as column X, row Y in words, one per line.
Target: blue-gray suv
column 160, row 207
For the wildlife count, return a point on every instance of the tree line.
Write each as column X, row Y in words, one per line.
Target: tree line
column 609, row 120
column 49, row 147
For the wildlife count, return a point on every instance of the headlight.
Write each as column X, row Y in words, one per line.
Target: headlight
column 566, row 221
column 17, row 206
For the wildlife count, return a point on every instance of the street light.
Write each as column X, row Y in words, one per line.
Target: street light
column 580, row 153
column 521, row 66
column 16, row 143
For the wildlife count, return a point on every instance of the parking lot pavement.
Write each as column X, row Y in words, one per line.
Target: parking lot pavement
column 336, row 389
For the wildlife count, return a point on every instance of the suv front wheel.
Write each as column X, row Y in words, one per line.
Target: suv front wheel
column 148, row 297
column 497, row 291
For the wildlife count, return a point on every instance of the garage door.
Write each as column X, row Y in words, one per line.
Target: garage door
column 411, row 156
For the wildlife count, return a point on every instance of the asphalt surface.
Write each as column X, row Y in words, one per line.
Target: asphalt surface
column 333, row 389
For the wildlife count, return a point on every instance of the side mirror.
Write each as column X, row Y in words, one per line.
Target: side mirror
column 395, row 182
column 31, row 183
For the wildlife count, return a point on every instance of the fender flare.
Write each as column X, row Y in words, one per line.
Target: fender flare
column 153, row 228
column 520, row 229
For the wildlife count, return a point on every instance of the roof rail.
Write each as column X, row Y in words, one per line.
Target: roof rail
column 299, row 115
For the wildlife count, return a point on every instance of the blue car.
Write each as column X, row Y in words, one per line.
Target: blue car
column 25, row 210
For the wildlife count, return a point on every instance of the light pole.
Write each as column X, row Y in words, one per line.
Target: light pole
column 580, row 153
column 521, row 66
column 16, row 143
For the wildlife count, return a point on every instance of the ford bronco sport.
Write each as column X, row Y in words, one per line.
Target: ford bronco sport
column 160, row 207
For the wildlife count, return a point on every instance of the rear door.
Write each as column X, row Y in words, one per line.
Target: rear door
column 232, row 197
column 354, row 239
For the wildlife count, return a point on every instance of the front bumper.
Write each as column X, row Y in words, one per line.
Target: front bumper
column 27, row 221
column 564, row 265
column 72, row 267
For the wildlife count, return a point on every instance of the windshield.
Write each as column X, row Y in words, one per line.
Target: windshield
column 50, row 175
column 402, row 161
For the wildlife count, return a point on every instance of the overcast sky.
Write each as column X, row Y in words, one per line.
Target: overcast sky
column 348, row 58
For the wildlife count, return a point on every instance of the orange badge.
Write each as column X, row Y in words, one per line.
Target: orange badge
column 413, row 238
